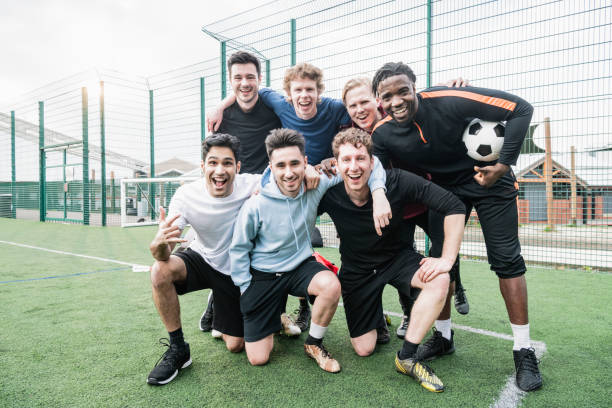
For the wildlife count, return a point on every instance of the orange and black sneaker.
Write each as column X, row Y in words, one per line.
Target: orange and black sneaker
column 420, row 372
column 322, row 357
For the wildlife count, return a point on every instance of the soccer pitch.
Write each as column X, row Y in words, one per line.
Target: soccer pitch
column 83, row 332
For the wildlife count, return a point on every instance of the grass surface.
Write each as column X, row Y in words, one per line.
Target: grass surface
column 89, row 340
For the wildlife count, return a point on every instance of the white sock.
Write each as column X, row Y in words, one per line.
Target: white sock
column 444, row 327
column 521, row 336
column 317, row 331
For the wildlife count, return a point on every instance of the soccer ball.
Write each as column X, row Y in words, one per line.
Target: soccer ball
column 484, row 140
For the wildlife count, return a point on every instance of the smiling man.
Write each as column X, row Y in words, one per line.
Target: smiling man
column 370, row 261
column 250, row 120
column 424, row 133
column 271, row 254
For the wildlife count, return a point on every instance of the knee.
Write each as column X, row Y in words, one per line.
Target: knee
column 235, row 345
column 440, row 285
column 259, row 359
column 332, row 289
column 160, row 274
column 364, row 350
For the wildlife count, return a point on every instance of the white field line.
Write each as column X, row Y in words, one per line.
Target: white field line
column 135, row 267
column 510, row 396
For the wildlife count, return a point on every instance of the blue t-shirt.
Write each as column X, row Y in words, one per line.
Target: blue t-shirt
column 318, row 131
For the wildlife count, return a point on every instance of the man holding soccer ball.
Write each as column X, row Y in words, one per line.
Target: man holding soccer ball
column 423, row 133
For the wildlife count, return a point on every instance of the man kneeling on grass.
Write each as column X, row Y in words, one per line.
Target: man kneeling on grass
column 271, row 253
column 211, row 205
column 370, row 261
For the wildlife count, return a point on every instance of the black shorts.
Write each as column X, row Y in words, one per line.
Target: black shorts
column 498, row 216
column 200, row 275
column 263, row 301
column 362, row 291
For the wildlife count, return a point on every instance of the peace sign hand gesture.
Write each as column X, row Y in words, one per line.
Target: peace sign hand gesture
column 168, row 235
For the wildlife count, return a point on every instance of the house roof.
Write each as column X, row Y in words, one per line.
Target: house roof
column 173, row 165
column 592, row 168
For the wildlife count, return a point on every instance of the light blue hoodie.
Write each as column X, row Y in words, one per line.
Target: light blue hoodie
column 272, row 232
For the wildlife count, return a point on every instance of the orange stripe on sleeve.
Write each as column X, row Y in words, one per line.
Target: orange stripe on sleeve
column 420, row 131
column 489, row 100
column 380, row 122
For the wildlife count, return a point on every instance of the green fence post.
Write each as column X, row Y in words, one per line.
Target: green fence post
column 152, row 144
column 202, row 110
column 102, row 155
column 113, row 193
column 41, row 161
column 428, row 84
column 64, row 187
column 268, row 81
column 223, row 70
column 85, row 109
column 293, row 42
column 13, row 172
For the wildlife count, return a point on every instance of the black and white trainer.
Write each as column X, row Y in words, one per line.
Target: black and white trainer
column 436, row 346
column 167, row 367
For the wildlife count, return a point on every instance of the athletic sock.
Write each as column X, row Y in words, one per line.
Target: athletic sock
column 408, row 350
column 316, row 334
column 444, row 327
column 176, row 337
column 520, row 333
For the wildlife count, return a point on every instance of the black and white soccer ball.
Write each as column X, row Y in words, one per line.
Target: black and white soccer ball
column 484, row 140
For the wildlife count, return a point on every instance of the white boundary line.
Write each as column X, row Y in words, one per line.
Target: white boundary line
column 135, row 267
column 511, row 395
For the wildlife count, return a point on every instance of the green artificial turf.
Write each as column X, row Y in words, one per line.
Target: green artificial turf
column 88, row 337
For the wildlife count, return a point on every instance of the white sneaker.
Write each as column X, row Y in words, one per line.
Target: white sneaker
column 216, row 334
column 290, row 328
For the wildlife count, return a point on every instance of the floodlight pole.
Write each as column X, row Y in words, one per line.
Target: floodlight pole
column 102, row 155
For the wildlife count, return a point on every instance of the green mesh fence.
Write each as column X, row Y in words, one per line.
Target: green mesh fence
column 554, row 54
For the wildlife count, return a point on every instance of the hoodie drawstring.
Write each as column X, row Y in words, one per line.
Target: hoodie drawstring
column 297, row 247
column 305, row 223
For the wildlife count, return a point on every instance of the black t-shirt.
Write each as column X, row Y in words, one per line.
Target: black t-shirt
column 432, row 142
column 251, row 128
column 361, row 249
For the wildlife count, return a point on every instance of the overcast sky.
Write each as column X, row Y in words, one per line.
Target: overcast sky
column 45, row 40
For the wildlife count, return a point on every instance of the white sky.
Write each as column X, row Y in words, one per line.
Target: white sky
column 43, row 41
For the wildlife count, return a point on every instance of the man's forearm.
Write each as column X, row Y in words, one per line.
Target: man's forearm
column 453, row 233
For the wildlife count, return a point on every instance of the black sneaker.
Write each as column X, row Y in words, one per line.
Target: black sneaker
column 382, row 333
column 461, row 303
column 528, row 376
column 436, row 346
column 303, row 317
column 169, row 364
column 207, row 317
column 401, row 330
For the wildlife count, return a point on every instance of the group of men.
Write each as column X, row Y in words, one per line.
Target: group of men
column 252, row 243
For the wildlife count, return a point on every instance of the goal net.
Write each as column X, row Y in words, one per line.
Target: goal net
column 142, row 197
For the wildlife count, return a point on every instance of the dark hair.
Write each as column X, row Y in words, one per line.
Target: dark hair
column 353, row 136
column 388, row 70
column 243, row 57
column 279, row 138
column 221, row 140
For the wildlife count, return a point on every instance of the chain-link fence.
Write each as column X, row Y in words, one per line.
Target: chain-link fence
column 554, row 54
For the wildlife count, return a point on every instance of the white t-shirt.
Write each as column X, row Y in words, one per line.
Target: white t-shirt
column 212, row 218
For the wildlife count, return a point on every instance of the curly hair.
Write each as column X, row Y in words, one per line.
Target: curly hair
column 391, row 69
column 354, row 136
column 303, row 70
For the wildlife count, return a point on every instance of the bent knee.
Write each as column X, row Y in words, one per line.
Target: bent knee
column 440, row 284
column 259, row 360
column 160, row 273
column 235, row 346
column 331, row 287
column 364, row 350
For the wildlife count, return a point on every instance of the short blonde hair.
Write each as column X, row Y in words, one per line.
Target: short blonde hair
column 303, row 70
column 354, row 136
column 355, row 83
